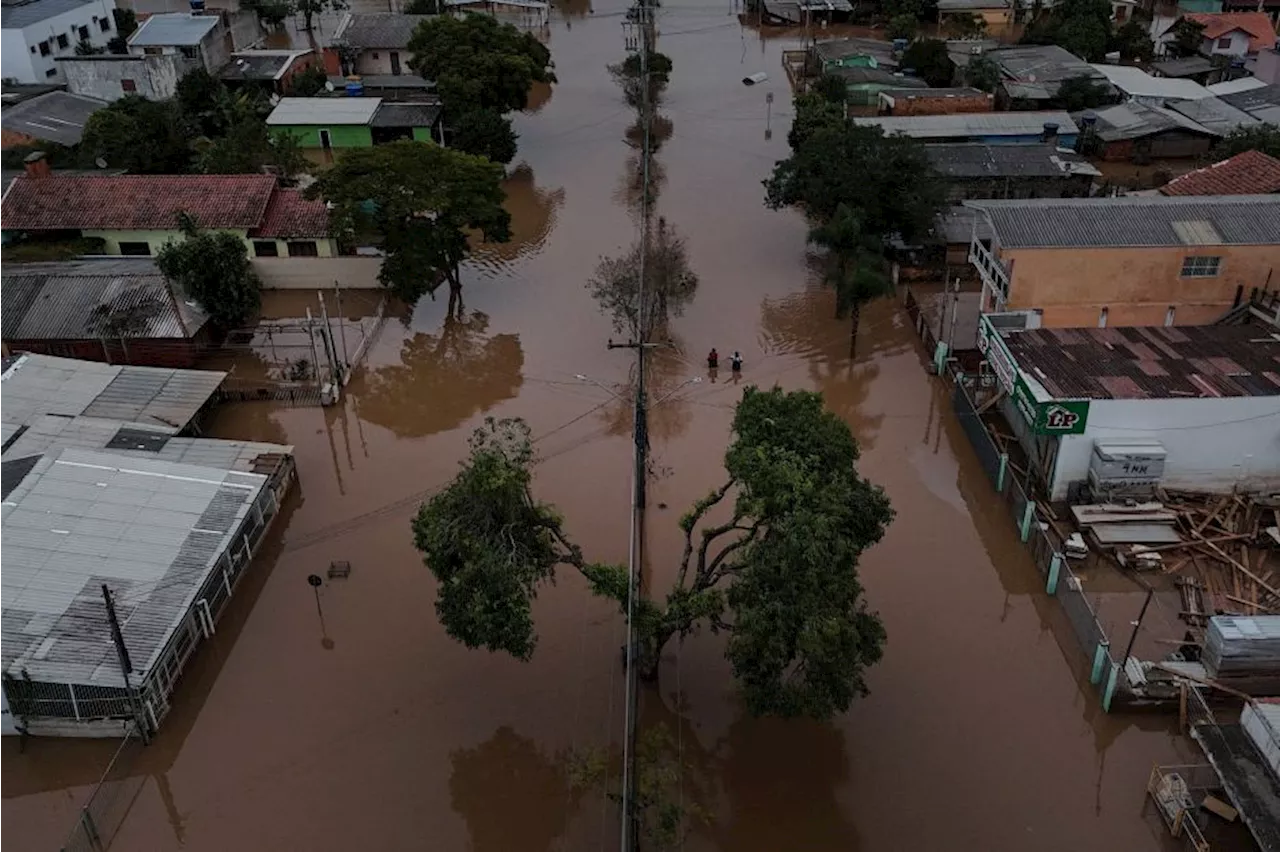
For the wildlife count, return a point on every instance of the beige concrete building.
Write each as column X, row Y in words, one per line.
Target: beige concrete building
column 1129, row 261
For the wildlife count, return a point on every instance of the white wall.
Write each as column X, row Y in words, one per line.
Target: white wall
column 379, row 62
column 154, row 77
column 1212, row 444
column 1239, row 45
column 36, row 68
column 15, row 58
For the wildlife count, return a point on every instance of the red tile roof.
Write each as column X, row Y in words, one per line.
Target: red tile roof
column 135, row 202
column 1248, row 173
column 290, row 215
column 1262, row 34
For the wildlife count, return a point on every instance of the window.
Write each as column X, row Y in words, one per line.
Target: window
column 1201, row 267
column 265, row 248
column 83, row 32
column 128, row 85
column 63, row 42
column 33, row 48
column 304, row 248
column 1224, row 43
column 52, row 72
column 375, row 54
column 136, row 249
column 190, row 52
column 105, row 25
column 1169, row 315
column 1102, row 318
column 44, row 48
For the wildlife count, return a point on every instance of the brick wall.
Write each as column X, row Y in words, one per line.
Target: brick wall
column 924, row 104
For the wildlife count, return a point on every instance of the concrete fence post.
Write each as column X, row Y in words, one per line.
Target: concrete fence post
column 1055, row 565
column 1028, row 516
column 1004, row 469
column 1099, row 660
column 1110, row 691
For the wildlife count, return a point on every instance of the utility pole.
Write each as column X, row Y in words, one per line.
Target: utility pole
column 126, row 665
column 639, row 33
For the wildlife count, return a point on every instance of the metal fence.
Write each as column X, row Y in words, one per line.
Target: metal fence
column 1173, row 790
column 1046, row 552
column 104, row 812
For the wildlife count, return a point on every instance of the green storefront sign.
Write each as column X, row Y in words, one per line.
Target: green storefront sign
column 1055, row 417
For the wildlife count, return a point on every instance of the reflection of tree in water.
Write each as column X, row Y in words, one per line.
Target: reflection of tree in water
column 511, row 795
column 572, row 8
column 665, row 370
column 801, row 323
column 443, row 379
column 659, row 132
column 780, row 777
column 539, row 96
column 630, row 191
column 533, row 215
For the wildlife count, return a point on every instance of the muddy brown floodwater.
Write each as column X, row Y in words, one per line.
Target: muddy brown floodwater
column 980, row 732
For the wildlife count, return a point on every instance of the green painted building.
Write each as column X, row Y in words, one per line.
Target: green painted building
column 339, row 123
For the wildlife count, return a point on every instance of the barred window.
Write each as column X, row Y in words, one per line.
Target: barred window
column 1201, row 267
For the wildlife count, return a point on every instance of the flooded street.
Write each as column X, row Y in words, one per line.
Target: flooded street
column 374, row 731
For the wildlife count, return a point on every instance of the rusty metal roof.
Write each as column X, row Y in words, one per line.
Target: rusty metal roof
column 1176, row 362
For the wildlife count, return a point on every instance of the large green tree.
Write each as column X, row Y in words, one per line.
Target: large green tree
column 930, row 60
column 814, row 111
column 424, row 201
column 1082, row 92
column 775, row 568
column 627, row 74
column 478, row 63
column 138, row 135
column 213, row 266
column 1261, row 137
column 670, row 284
column 308, row 9
column 854, row 266
column 486, row 133
column 247, row 147
column 887, row 180
column 1082, row 27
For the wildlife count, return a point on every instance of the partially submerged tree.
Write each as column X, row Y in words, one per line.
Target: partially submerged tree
column 832, row 88
column 854, row 266
column 213, row 266
column 478, row 63
column 669, row 286
column 486, row 133
column 887, row 180
column 308, row 9
column 779, row 574
column 813, row 112
column 627, row 74
column 424, row 200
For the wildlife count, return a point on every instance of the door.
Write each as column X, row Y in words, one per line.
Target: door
column 395, row 63
column 325, row 141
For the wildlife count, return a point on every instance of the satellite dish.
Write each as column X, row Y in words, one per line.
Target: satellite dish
column 328, row 86
column 100, row 163
column 274, row 100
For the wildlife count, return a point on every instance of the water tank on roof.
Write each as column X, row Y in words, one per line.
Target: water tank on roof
column 355, row 87
column 197, row 7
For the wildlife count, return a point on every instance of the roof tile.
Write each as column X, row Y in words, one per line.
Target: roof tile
column 136, row 202
column 291, row 215
column 1247, row 173
column 1262, row 34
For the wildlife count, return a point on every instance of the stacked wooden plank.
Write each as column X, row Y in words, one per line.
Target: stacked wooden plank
column 1134, row 532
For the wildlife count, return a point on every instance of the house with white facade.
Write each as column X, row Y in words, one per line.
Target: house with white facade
column 1198, row 407
column 37, row 32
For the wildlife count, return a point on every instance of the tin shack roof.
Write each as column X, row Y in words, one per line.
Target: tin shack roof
column 1173, row 362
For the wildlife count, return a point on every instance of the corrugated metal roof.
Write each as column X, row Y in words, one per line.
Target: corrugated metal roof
column 1139, row 84
column 1214, row 114
column 376, row 32
column 977, row 160
column 1240, row 84
column 1135, row 120
column 42, row 384
column 1130, row 220
column 173, row 29
column 16, row 16
column 972, row 124
column 79, row 300
column 391, row 114
column 57, row 116
column 1174, row 362
column 292, row 112
column 150, row 529
column 1040, row 69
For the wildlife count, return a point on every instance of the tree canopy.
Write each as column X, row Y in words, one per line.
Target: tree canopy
column 478, row 63
column 141, row 136
column 854, row 265
column 931, row 61
column 982, row 73
column 423, row 200
column 213, row 266
column 670, row 284
column 1077, row 93
column 627, row 75
column 308, row 9
column 1188, row 35
column 1082, row 27
column 1261, row 137
column 888, row 180
column 486, row 133
column 778, row 574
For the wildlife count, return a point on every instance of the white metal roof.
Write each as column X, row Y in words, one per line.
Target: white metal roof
column 323, row 111
column 972, row 124
column 1139, row 84
column 160, row 398
column 1241, row 84
column 173, row 29
column 151, row 529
